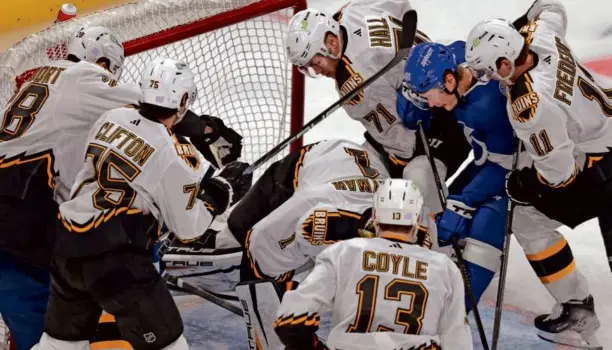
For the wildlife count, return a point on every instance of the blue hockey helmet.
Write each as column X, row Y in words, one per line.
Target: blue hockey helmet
column 426, row 66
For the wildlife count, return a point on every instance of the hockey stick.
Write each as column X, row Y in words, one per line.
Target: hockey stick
column 409, row 24
column 504, row 258
column 179, row 282
column 454, row 242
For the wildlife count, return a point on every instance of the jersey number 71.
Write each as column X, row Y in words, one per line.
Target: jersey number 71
column 411, row 318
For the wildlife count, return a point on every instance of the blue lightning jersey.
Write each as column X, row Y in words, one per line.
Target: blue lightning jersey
column 482, row 114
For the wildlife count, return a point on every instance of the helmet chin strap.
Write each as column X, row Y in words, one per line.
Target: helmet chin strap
column 455, row 91
column 507, row 79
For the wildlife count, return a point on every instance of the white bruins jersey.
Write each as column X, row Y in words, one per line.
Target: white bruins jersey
column 334, row 183
column 376, row 286
column 370, row 31
column 560, row 111
column 134, row 165
column 46, row 122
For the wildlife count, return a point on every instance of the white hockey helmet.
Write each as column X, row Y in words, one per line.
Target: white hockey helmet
column 168, row 83
column 398, row 202
column 93, row 43
column 306, row 37
column 490, row 40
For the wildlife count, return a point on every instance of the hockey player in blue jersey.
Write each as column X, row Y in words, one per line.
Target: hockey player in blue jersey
column 436, row 77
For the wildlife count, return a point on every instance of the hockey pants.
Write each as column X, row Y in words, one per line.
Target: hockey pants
column 123, row 282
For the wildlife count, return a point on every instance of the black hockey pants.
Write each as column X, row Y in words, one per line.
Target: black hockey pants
column 124, row 283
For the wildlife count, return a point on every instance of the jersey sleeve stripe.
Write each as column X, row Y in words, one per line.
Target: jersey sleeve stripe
column 299, row 164
column 562, row 184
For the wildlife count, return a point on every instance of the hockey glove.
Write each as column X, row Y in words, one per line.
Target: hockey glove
column 220, row 145
column 520, row 186
column 222, row 191
column 454, row 221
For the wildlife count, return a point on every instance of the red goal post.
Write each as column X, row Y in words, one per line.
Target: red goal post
column 234, row 47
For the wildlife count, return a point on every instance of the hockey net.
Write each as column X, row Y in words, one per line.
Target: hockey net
column 234, row 47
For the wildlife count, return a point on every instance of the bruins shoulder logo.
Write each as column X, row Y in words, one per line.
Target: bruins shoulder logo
column 347, row 80
column 524, row 100
column 187, row 151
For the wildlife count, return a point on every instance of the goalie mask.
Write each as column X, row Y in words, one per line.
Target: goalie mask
column 94, row 43
column 170, row 84
column 306, row 38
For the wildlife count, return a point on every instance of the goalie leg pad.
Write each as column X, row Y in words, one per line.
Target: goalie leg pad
column 260, row 301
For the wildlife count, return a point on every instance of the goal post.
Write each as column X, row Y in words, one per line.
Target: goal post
column 234, row 47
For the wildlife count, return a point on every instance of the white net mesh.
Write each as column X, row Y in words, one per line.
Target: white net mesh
column 241, row 69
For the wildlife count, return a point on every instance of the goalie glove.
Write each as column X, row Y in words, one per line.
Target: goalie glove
column 220, row 145
column 222, row 191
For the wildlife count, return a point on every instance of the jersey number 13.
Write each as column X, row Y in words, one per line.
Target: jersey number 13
column 411, row 318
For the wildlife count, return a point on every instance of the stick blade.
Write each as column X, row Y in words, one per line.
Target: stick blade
column 409, row 29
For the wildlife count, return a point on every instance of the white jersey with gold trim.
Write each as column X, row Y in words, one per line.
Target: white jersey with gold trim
column 50, row 116
column 134, row 165
column 370, row 31
column 384, row 293
column 560, row 111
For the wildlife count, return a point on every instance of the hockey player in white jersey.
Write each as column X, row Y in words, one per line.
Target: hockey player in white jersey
column 42, row 136
column 368, row 281
column 43, row 132
column 561, row 112
column 136, row 176
column 352, row 46
column 303, row 203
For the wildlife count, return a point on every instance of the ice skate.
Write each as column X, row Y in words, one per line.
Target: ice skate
column 572, row 323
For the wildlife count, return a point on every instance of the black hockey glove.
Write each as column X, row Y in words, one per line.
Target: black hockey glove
column 522, row 186
column 222, row 191
column 222, row 145
column 241, row 183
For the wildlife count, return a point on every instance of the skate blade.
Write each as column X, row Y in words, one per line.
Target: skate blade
column 571, row 338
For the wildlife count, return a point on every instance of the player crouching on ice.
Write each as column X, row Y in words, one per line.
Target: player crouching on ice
column 385, row 292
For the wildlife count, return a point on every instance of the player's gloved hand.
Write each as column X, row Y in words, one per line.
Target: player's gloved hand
column 241, row 182
column 227, row 188
column 219, row 144
column 454, row 220
column 226, row 139
column 412, row 109
column 518, row 186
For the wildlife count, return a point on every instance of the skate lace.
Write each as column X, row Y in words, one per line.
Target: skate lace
column 555, row 313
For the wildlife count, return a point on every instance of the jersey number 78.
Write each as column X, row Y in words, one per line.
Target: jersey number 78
column 411, row 318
